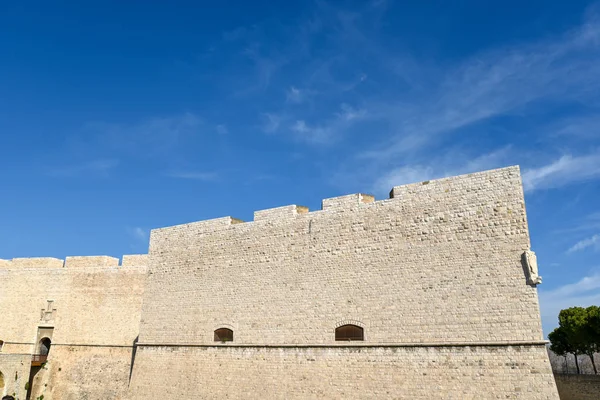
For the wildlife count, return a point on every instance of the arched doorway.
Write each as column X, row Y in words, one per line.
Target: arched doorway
column 45, row 344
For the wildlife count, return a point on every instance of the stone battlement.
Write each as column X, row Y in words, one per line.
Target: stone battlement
column 464, row 183
column 130, row 260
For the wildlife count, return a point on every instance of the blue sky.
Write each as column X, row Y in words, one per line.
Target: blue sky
column 120, row 117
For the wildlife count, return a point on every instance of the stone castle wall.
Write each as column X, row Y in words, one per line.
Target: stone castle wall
column 459, row 373
column 433, row 275
column 578, row 387
column 14, row 369
column 94, row 316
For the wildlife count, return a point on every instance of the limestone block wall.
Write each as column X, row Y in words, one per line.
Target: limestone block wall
column 85, row 372
column 578, row 387
column 14, row 374
column 94, row 304
column 459, row 373
column 93, row 314
column 438, row 263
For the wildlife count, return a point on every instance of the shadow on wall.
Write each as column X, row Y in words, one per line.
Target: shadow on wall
column 133, row 351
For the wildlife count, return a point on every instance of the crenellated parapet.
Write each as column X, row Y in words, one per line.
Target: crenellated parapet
column 206, row 226
column 134, row 260
column 346, row 202
column 463, row 184
column 75, row 262
column 442, row 192
column 91, row 261
column 279, row 212
column 36, row 262
column 178, row 233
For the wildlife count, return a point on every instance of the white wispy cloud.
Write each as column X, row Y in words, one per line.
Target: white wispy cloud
column 315, row 134
column 325, row 132
column 412, row 107
column 581, row 127
column 590, row 222
column 139, row 238
column 295, row 95
column 348, row 113
column 583, row 293
column 593, row 242
column 222, row 129
column 98, row 168
column 331, row 129
column 138, row 233
column 265, row 67
column 451, row 164
column 493, row 83
column 271, row 122
column 595, row 216
column 148, row 136
column 563, row 171
column 193, row 175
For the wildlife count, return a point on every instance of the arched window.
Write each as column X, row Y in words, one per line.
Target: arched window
column 223, row 335
column 45, row 346
column 1, row 344
column 349, row 332
column 1, row 383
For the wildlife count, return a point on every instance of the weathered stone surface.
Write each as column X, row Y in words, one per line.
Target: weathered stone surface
column 38, row 262
column 95, row 319
column 14, row 369
column 91, row 261
column 438, row 263
column 425, row 373
column 433, row 275
column 578, row 387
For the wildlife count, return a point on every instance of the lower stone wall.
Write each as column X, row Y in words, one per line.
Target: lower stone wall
column 83, row 372
column 578, row 387
column 508, row 372
column 17, row 348
column 15, row 374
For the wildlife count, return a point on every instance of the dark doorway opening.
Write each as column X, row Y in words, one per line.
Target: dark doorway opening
column 45, row 344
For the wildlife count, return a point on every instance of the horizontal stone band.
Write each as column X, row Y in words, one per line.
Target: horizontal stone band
column 336, row 345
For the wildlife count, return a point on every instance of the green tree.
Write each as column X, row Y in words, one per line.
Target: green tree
column 578, row 333
column 594, row 321
column 573, row 322
column 559, row 344
column 593, row 332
